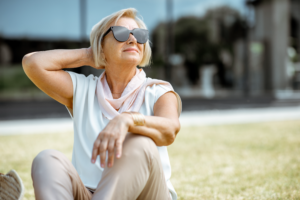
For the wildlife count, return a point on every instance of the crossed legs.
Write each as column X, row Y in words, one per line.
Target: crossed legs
column 138, row 174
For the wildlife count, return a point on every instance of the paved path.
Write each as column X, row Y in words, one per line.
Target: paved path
column 239, row 116
column 187, row 118
column 34, row 109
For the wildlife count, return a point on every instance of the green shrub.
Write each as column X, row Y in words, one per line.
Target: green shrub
column 14, row 78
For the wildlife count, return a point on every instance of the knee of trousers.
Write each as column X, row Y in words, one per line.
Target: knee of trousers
column 137, row 146
column 43, row 159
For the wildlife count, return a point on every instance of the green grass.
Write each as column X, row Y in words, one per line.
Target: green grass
column 249, row 161
column 18, row 151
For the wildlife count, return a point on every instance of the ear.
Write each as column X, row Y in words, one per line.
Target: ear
column 103, row 56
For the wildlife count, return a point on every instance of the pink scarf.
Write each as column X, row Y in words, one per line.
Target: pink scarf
column 132, row 97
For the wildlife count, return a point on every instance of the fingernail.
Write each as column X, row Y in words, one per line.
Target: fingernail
column 118, row 155
column 93, row 161
column 102, row 165
column 109, row 165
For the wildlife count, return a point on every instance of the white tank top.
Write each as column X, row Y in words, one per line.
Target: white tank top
column 88, row 122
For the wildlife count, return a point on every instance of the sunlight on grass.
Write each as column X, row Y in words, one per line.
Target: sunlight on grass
column 249, row 161
column 252, row 161
column 18, row 152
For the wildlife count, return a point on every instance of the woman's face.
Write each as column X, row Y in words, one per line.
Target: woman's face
column 129, row 52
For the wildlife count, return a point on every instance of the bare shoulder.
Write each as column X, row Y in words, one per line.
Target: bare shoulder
column 166, row 105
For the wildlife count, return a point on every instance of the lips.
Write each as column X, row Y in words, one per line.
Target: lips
column 131, row 50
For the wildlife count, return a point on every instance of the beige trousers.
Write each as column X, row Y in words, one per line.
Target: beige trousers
column 138, row 174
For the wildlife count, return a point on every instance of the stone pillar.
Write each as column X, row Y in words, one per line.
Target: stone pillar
column 280, row 19
column 238, row 66
column 272, row 28
column 5, row 54
column 207, row 88
column 256, row 68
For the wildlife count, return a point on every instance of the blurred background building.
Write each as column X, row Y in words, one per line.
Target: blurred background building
column 220, row 52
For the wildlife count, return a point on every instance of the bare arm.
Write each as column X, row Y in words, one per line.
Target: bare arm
column 45, row 70
column 162, row 128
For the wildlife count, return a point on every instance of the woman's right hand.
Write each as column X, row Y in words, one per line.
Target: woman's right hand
column 110, row 139
column 90, row 57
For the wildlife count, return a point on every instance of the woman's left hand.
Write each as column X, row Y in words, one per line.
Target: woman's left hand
column 111, row 139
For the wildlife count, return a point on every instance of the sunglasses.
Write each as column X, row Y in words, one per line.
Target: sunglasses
column 122, row 33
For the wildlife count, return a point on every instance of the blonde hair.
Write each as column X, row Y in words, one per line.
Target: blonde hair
column 99, row 29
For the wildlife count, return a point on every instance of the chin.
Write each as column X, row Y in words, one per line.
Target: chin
column 131, row 59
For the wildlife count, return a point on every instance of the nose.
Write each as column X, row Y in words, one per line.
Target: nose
column 131, row 39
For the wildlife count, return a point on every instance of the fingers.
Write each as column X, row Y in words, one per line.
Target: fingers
column 112, row 146
column 119, row 143
column 95, row 150
column 111, row 152
column 99, row 148
column 108, row 143
column 102, row 152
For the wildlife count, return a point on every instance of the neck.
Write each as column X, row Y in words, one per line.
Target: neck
column 118, row 78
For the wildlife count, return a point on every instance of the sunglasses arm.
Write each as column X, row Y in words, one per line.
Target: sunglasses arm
column 107, row 32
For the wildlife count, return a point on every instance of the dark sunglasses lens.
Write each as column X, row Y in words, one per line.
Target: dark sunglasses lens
column 120, row 33
column 141, row 35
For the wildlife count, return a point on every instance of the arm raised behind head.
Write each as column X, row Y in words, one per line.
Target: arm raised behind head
column 45, row 70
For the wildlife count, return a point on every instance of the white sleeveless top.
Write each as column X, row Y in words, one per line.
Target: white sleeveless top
column 88, row 122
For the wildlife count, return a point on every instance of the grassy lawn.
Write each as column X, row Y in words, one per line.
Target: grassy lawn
column 249, row 161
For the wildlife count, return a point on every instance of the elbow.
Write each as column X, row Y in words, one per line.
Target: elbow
column 28, row 61
column 170, row 139
column 173, row 133
column 177, row 127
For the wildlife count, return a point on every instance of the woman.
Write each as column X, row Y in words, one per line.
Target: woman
column 122, row 116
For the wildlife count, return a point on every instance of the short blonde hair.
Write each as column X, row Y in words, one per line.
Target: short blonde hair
column 99, row 29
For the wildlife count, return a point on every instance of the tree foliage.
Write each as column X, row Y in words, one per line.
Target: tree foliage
column 201, row 39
